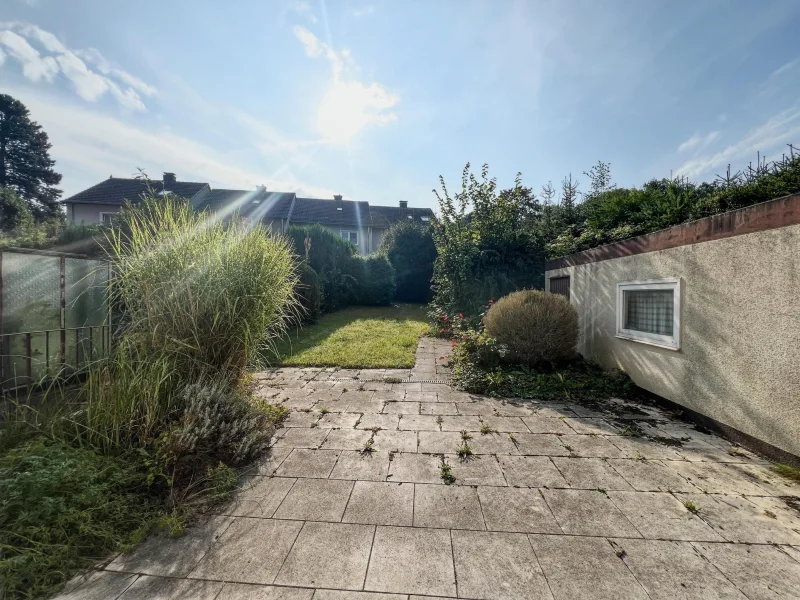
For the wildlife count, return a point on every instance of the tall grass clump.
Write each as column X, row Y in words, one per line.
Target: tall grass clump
column 199, row 296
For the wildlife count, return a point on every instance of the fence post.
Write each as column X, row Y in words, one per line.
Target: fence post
column 62, row 264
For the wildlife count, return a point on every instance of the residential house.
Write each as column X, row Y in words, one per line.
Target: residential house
column 357, row 221
column 100, row 202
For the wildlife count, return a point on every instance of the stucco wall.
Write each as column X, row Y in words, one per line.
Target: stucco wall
column 740, row 357
column 89, row 213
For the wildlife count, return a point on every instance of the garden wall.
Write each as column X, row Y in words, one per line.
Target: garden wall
column 739, row 356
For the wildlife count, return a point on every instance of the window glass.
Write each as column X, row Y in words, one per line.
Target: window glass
column 650, row 311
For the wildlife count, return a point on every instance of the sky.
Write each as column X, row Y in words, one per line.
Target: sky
column 375, row 100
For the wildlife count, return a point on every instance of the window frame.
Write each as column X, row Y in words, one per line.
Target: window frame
column 670, row 342
column 349, row 232
column 111, row 215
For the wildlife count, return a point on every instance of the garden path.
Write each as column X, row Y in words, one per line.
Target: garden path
column 555, row 502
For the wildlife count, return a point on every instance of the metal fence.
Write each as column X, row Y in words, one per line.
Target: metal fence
column 54, row 315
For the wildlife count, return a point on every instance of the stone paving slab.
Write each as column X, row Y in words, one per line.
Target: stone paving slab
column 549, row 500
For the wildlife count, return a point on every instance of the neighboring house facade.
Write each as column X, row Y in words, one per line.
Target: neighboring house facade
column 357, row 221
column 99, row 203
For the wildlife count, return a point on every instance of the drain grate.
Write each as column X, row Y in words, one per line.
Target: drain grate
column 383, row 380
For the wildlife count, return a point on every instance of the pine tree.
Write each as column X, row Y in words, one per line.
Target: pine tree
column 25, row 163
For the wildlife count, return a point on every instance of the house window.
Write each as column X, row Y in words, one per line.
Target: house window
column 650, row 312
column 106, row 217
column 425, row 219
column 350, row 235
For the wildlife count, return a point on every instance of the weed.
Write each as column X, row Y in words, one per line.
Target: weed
column 485, row 429
column 374, row 429
column 568, row 447
column 465, row 435
column 464, row 450
column 734, row 451
column 621, row 553
column 392, row 380
column 787, row 471
column 446, row 473
column 513, row 439
column 691, row 507
column 62, row 508
column 439, row 420
column 368, row 446
column 314, row 425
column 324, row 411
column 220, row 481
column 770, row 514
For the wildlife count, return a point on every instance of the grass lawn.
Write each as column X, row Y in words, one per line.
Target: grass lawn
column 358, row 337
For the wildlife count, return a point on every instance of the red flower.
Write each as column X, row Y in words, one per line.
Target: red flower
column 460, row 316
column 441, row 331
column 441, row 358
column 445, row 318
column 491, row 301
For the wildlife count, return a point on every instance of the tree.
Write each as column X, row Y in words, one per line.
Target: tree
column 25, row 163
column 485, row 247
column 14, row 212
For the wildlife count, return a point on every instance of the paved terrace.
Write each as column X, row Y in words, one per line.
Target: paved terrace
column 555, row 503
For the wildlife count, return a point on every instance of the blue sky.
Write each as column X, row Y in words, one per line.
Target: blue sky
column 375, row 99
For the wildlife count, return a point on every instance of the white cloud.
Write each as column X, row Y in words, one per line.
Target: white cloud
column 349, row 105
column 2, row 57
column 767, row 138
column 34, row 66
column 697, row 142
column 89, row 142
column 89, row 84
column 93, row 56
column 786, row 67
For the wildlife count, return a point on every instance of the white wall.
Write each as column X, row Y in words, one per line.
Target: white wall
column 740, row 357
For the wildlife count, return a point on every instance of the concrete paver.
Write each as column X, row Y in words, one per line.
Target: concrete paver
column 497, row 566
column 411, row 560
column 330, row 555
column 561, row 500
column 448, row 507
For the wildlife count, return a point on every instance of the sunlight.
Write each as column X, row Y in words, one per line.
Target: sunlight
column 348, row 106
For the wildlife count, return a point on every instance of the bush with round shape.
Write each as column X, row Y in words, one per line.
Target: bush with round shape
column 535, row 326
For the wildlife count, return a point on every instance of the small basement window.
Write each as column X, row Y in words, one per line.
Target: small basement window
column 650, row 312
column 425, row 219
column 350, row 235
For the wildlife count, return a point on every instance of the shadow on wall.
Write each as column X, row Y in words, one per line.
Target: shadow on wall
column 738, row 361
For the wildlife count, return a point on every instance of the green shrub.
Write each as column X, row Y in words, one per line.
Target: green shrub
column 536, row 326
column 335, row 260
column 309, row 293
column 339, row 290
column 485, row 248
column 62, row 509
column 14, row 211
column 376, row 283
column 202, row 290
column 215, row 425
column 412, row 252
column 201, row 298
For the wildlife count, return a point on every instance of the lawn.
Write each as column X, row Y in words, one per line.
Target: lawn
column 369, row 337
